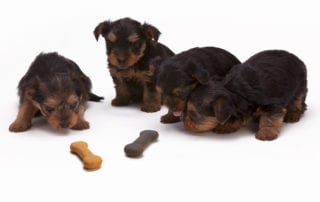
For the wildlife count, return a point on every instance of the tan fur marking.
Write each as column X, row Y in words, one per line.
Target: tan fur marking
column 295, row 110
column 270, row 125
column 80, row 122
column 176, row 91
column 151, row 101
column 133, row 38
column 133, row 58
column 112, row 37
column 23, row 121
column 112, row 59
column 52, row 102
column 228, row 127
column 206, row 124
column 72, row 99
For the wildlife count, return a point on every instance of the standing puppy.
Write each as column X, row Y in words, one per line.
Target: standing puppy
column 130, row 48
column 56, row 87
column 271, row 86
column 180, row 74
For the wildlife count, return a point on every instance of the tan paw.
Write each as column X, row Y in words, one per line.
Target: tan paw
column 19, row 126
column 150, row 108
column 119, row 102
column 267, row 133
column 81, row 125
column 292, row 117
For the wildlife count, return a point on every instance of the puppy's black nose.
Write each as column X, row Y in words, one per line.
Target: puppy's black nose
column 121, row 61
column 64, row 124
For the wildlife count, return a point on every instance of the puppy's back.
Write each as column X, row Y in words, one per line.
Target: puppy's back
column 269, row 77
column 215, row 60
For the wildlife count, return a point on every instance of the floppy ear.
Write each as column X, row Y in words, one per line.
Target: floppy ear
column 222, row 109
column 102, row 29
column 156, row 61
column 151, row 32
column 199, row 74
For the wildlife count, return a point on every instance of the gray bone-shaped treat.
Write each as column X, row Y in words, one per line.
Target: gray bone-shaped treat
column 136, row 148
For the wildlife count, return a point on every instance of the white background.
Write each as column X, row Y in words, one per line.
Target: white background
column 37, row 165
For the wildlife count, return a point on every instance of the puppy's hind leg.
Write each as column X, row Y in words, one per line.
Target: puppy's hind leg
column 23, row 121
column 269, row 125
column 295, row 109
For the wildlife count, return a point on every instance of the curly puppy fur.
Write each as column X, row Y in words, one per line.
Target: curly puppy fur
column 56, row 87
column 180, row 74
column 130, row 48
column 270, row 87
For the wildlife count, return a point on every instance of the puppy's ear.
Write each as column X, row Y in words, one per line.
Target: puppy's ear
column 222, row 109
column 151, row 32
column 102, row 29
column 156, row 61
column 199, row 74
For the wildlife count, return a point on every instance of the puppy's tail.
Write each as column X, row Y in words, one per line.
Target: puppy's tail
column 94, row 97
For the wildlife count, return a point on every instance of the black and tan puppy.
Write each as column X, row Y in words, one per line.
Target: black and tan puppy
column 180, row 74
column 56, row 87
column 270, row 87
column 130, row 48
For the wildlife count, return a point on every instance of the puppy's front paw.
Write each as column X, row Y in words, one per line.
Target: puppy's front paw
column 267, row 133
column 119, row 102
column 169, row 118
column 150, row 108
column 19, row 126
column 81, row 125
column 292, row 117
column 227, row 128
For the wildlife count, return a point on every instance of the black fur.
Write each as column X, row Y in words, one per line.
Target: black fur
column 184, row 71
column 266, row 84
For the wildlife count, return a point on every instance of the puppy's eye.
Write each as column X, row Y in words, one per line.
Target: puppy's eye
column 136, row 45
column 73, row 106
column 48, row 109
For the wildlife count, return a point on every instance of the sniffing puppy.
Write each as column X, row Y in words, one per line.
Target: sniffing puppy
column 180, row 74
column 56, row 87
column 130, row 48
column 270, row 87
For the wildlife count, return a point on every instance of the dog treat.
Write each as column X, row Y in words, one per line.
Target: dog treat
column 90, row 161
column 136, row 148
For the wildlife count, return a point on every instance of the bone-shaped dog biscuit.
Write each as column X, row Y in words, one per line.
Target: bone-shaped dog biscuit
column 90, row 160
column 136, row 148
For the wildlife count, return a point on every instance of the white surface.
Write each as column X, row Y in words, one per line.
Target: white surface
column 37, row 166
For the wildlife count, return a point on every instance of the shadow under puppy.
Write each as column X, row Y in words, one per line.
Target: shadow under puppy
column 269, row 87
column 130, row 47
column 56, row 87
column 180, row 74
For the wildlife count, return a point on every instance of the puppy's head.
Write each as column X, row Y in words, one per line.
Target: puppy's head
column 176, row 79
column 126, row 40
column 207, row 107
column 59, row 98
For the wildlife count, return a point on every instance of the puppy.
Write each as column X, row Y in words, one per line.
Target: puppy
column 56, row 87
column 130, row 48
column 270, row 87
column 180, row 74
